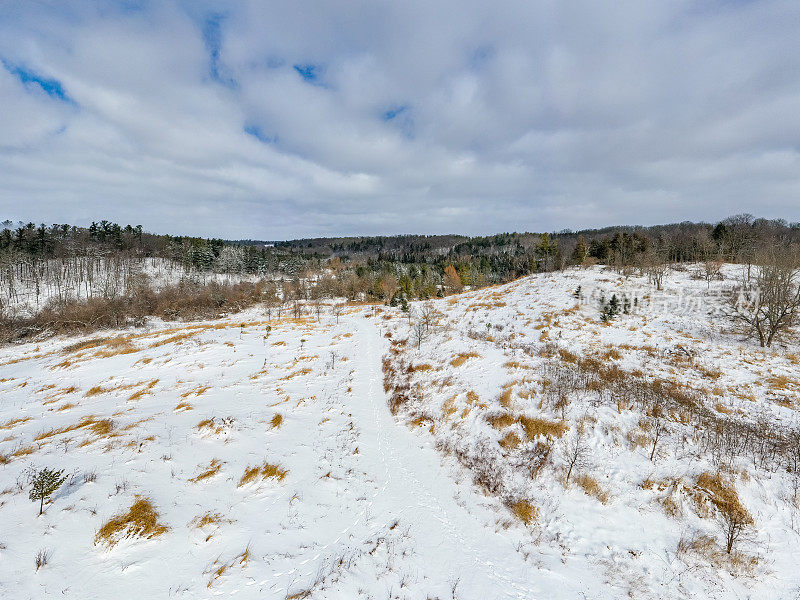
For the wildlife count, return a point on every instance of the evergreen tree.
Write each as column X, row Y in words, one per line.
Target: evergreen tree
column 44, row 483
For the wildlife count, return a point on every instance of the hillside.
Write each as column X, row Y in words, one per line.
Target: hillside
column 376, row 455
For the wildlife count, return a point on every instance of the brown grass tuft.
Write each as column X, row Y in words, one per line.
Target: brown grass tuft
column 463, row 357
column 141, row 520
column 510, row 441
column 14, row 422
column 535, row 427
column 212, row 469
column 525, row 511
column 591, row 486
column 265, row 471
column 277, row 420
column 502, row 421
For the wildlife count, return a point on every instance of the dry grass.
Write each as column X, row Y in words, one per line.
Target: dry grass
column 611, row 354
column 535, row 427
column 276, row 421
column 524, row 511
column 141, row 520
column 463, row 357
column 781, row 382
column 198, row 391
column 96, row 390
column 723, row 496
column 591, row 486
column 174, row 339
column 183, row 406
column 207, row 519
column 265, row 471
column 145, row 390
column 212, row 469
column 23, row 451
column 510, row 441
column 102, row 428
column 298, row 373
column 507, row 396
column 420, row 368
column 14, row 422
column 501, row 421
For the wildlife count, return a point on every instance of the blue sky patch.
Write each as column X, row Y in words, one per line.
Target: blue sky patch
column 259, row 134
column 212, row 37
column 394, row 112
column 309, row 72
column 33, row 81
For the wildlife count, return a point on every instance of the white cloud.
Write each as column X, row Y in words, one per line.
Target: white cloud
column 514, row 116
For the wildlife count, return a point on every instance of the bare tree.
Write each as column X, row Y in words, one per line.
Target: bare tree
column 659, row 428
column 767, row 304
column 712, row 271
column 575, row 450
column 336, row 310
column 419, row 332
column 429, row 316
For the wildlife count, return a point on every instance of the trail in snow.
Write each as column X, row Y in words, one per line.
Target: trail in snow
column 369, row 507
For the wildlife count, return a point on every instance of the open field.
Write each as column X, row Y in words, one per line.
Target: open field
column 519, row 448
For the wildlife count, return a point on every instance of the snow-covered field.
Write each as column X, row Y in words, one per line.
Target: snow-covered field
column 277, row 470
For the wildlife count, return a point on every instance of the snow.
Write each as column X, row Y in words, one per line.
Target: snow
column 372, row 505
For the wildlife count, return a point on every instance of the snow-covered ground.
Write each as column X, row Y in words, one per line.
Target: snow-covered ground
column 367, row 504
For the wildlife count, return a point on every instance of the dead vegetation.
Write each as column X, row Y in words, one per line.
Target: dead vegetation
column 141, row 520
column 208, row 472
column 264, row 471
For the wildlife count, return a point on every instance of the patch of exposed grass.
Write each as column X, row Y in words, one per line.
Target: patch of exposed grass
column 535, row 427
column 510, row 441
column 143, row 391
column 141, row 520
column 102, row 427
column 502, row 421
column 276, row 421
column 265, row 471
column 207, row 519
column 14, row 422
column 212, row 469
column 591, row 486
column 463, row 357
column 524, row 511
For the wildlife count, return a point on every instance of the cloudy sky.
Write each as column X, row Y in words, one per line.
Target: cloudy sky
column 286, row 119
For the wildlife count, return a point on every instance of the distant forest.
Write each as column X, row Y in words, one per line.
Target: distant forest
column 415, row 265
column 67, row 279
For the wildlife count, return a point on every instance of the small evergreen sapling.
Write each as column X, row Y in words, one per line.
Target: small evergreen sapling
column 44, row 483
column 610, row 309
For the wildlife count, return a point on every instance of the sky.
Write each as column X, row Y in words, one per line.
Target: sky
column 278, row 120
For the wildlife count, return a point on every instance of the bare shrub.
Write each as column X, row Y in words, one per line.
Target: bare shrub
column 42, row 558
column 733, row 516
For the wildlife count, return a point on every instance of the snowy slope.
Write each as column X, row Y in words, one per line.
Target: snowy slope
column 502, row 358
column 365, row 510
column 372, row 505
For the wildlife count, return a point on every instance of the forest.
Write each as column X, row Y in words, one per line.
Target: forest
column 63, row 277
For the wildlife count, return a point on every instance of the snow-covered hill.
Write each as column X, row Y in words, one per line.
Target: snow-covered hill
column 261, row 458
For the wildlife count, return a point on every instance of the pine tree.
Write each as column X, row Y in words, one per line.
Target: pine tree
column 44, row 483
column 581, row 251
